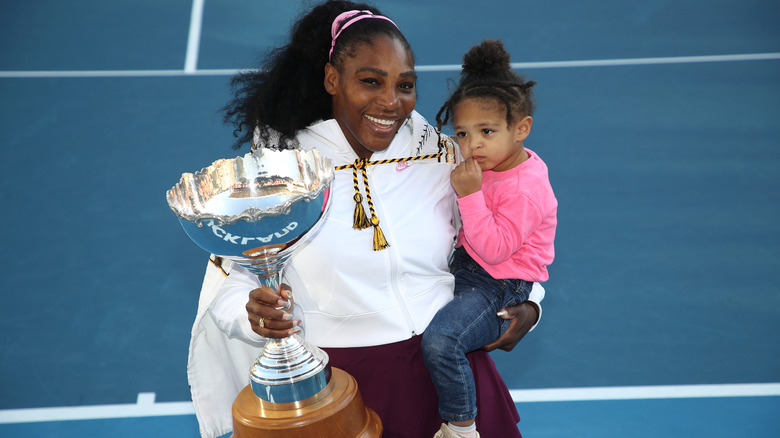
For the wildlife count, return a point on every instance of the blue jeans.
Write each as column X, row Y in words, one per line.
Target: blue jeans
column 465, row 324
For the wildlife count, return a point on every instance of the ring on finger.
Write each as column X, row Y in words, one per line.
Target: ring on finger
column 261, row 322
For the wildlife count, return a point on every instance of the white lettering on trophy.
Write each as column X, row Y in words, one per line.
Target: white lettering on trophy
column 216, row 229
column 231, row 238
column 239, row 240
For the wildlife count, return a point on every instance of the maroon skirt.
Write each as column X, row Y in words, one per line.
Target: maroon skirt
column 395, row 383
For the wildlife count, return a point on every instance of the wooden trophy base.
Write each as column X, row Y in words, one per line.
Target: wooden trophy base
column 335, row 412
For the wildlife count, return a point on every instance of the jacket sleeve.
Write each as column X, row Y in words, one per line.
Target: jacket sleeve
column 536, row 296
column 229, row 307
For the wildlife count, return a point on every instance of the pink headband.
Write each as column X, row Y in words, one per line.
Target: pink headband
column 350, row 19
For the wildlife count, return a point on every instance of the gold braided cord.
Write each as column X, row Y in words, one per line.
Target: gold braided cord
column 360, row 220
column 447, row 144
column 364, row 163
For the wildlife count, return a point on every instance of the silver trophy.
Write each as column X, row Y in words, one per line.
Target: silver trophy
column 255, row 210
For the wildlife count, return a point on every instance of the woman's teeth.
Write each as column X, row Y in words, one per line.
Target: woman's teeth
column 384, row 123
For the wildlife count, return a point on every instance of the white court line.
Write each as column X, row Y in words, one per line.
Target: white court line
column 96, row 73
column 621, row 62
column 645, row 392
column 193, row 40
column 146, row 406
column 191, row 70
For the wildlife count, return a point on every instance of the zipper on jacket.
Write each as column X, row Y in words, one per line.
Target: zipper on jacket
column 394, row 271
column 397, row 293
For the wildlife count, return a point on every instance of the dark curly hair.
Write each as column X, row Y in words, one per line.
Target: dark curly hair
column 287, row 94
column 487, row 74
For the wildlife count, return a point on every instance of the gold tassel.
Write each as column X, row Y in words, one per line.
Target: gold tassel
column 359, row 218
column 380, row 242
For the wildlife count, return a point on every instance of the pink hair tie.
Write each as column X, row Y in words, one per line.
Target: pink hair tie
column 349, row 18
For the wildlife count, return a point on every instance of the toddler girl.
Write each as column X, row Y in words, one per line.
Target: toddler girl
column 508, row 211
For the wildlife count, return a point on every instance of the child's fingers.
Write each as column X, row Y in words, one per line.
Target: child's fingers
column 475, row 166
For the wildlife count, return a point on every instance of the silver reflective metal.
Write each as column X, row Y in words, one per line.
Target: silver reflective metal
column 255, row 210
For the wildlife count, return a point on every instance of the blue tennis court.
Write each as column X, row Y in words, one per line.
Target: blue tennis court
column 659, row 122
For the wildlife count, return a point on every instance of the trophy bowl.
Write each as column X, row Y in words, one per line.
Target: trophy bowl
column 255, row 210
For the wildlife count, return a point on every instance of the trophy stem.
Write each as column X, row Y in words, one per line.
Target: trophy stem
column 288, row 369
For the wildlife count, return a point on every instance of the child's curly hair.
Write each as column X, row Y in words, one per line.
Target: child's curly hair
column 487, row 74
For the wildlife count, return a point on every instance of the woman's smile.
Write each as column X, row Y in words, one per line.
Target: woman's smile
column 383, row 126
column 382, row 123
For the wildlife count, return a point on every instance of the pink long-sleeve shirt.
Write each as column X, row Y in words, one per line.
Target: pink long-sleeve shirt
column 509, row 225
